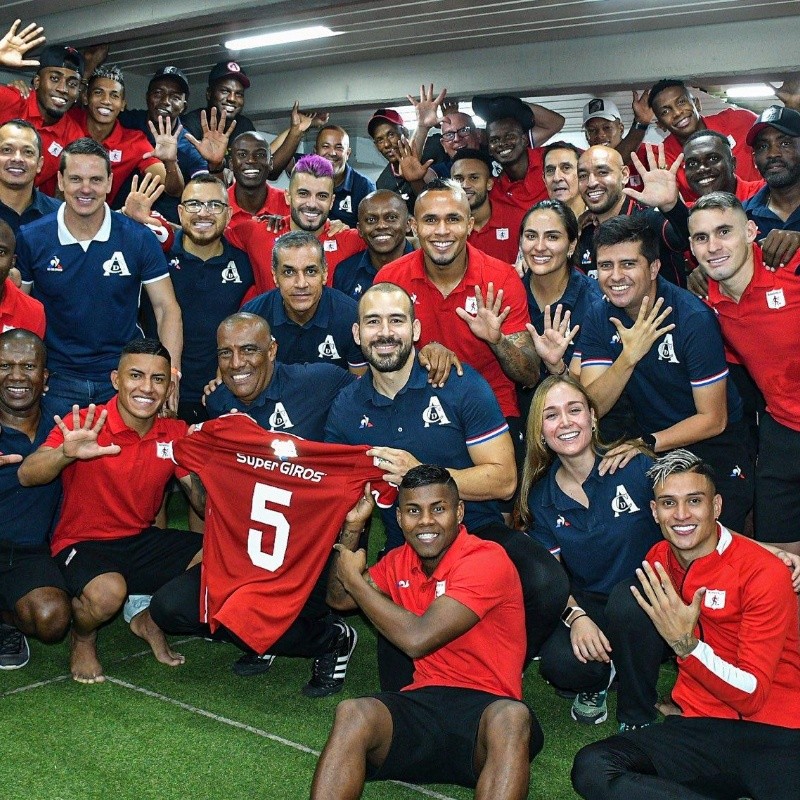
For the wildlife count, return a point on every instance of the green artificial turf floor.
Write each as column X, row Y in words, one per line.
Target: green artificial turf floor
column 199, row 731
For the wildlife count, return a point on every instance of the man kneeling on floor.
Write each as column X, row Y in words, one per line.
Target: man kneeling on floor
column 114, row 470
column 453, row 603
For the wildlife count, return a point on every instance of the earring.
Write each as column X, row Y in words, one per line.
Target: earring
column 541, row 439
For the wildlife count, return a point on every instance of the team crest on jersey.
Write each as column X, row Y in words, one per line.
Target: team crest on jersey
column 615, row 339
column 736, row 472
column 55, row 149
column 434, row 413
column 714, row 598
column 279, row 418
column 328, row 348
column 346, row 203
column 413, row 299
column 284, row 450
column 471, row 305
column 116, row 265
column 329, row 246
column 358, row 289
column 175, row 263
column 502, row 234
column 115, row 156
column 666, row 350
column 365, row 423
column 775, row 298
column 55, row 265
column 403, row 584
column 164, row 450
column 562, row 522
column 441, row 588
column 230, row 274
column 622, row 502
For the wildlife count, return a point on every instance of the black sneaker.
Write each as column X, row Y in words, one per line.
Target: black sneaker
column 329, row 670
column 252, row 664
column 14, row 650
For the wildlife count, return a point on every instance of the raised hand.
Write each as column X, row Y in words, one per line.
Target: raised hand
column 214, row 143
column 637, row 340
column 166, row 139
column 80, row 441
column 310, row 119
column 487, row 322
column 640, row 107
column 427, row 107
column 660, row 184
column 411, row 168
column 140, row 199
column 555, row 339
column 15, row 44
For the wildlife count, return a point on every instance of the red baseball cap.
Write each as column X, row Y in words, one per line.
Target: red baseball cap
column 384, row 115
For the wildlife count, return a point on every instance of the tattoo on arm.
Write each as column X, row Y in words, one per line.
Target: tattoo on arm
column 517, row 357
column 684, row 645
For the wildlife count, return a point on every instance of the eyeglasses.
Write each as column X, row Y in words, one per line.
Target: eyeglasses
column 461, row 133
column 216, row 207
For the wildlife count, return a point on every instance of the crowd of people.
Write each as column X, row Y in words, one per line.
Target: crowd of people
column 568, row 377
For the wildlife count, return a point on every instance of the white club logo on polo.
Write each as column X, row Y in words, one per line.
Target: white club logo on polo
column 284, row 450
column 714, row 598
column 346, row 203
column 441, row 588
column 328, row 348
column 279, row 418
column 164, row 450
column 502, row 234
column 330, row 246
column 666, row 350
column 775, row 298
column 403, row 584
column 622, row 502
column 230, row 274
column 115, row 156
column 471, row 305
column 55, row 149
column 434, row 413
column 116, row 265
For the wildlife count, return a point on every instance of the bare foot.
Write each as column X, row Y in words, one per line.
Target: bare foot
column 668, row 708
column 83, row 662
column 144, row 627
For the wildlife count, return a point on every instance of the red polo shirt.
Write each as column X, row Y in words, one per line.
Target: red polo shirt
column 127, row 148
column 254, row 238
column 480, row 576
column 440, row 323
column 54, row 137
column 522, row 194
column 733, row 123
column 274, row 203
column 112, row 497
column 19, row 310
column 499, row 237
column 763, row 331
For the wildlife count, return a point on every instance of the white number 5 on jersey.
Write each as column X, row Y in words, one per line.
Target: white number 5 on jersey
column 262, row 494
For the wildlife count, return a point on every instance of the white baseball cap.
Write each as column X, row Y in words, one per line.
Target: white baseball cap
column 597, row 107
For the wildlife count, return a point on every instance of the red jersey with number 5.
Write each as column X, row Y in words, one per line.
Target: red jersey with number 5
column 275, row 505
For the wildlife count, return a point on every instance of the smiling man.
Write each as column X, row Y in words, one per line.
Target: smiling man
column 88, row 267
column 114, row 472
column 725, row 607
column 710, row 166
column 251, row 196
column 462, row 720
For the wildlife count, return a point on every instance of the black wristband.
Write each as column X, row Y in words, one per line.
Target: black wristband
column 650, row 440
column 641, row 126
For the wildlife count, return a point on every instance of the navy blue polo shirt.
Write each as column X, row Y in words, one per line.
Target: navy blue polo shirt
column 207, row 292
column 28, row 512
column 346, row 197
column 581, row 293
column 766, row 219
column 437, row 426
column 41, row 205
column 356, row 274
column 326, row 338
column 190, row 162
column 688, row 357
column 605, row 543
column 296, row 400
column 90, row 296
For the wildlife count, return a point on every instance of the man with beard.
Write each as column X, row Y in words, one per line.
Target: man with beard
column 251, row 196
column 349, row 187
column 211, row 278
column 383, row 225
column 496, row 228
column 310, row 198
column 458, row 423
column 602, row 177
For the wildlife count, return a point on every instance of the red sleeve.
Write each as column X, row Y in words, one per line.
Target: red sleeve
column 12, row 104
column 378, row 574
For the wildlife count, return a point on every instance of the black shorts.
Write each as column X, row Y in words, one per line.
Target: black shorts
column 147, row 560
column 23, row 569
column 435, row 730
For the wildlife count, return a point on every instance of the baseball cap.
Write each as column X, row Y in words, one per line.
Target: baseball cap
column 384, row 115
column 175, row 73
column 228, row 69
column 59, row 55
column 786, row 120
column 598, row 108
column 494, row 107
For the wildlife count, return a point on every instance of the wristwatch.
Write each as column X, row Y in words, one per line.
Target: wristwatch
column 567, row 613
